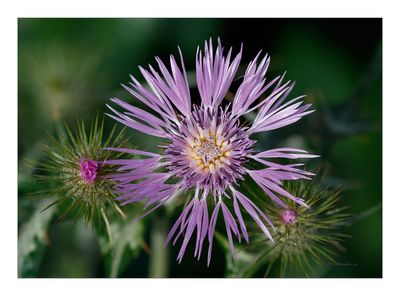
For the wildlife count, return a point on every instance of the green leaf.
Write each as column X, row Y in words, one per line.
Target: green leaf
column 239, row 267
column 235, row 267
column 32, row 240
column 122, row 244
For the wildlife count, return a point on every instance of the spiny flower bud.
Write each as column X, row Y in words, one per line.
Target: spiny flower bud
column 303, row 236
column 77, row 171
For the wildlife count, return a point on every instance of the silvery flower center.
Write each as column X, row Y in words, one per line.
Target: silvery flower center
column 207, row 150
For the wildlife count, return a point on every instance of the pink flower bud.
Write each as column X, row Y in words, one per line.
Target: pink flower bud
column 88, row 170
column 288, row 216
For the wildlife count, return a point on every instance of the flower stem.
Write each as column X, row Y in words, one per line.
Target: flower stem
column 159, row 264
column 107, row 223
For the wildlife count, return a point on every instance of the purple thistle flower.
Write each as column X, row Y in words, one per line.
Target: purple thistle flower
column 88, row 170
column 206, row 146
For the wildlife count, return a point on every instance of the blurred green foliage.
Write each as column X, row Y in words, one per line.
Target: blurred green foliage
column 68, row 68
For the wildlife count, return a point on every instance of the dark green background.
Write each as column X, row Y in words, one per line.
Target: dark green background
column 69, row 68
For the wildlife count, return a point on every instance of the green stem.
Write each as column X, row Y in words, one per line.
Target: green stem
column 159, row 264
column 108, row 227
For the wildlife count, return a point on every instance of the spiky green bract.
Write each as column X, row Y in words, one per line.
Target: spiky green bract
column 93, row 201
column 311, row 241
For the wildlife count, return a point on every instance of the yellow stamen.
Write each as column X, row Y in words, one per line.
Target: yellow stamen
column 209, row 151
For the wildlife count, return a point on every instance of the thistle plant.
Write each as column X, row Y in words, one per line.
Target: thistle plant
column 208, row 144
column 75, row 171
column 305, row 237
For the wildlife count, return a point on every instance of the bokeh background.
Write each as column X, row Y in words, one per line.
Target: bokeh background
column 69, row 68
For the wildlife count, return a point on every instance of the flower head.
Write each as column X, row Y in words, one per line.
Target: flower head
column 75, row 171
column 208, row 144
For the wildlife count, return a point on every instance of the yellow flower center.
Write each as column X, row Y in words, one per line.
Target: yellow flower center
column 210, row 152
